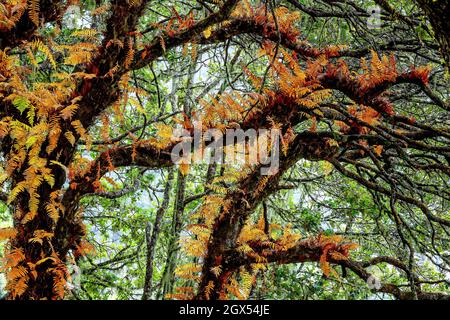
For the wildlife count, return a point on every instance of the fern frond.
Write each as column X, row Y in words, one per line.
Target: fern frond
column 7, row 233
column 39, row 45
column 33, row 11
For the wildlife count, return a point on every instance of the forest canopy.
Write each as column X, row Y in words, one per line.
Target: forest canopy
column 333, row 185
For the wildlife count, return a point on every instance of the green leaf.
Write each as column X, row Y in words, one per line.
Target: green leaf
column 21, row 103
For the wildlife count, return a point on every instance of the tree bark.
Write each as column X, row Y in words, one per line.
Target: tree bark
column 153, row 238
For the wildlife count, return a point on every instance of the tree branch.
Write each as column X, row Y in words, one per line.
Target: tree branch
column 24, row 29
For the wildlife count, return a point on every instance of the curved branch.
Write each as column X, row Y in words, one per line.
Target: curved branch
column 24, row 29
